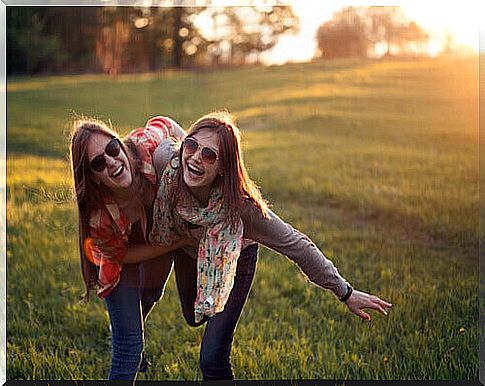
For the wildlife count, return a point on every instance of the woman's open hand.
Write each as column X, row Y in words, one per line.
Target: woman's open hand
column 360, row 300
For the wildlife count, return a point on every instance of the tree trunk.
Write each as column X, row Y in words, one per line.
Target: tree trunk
column 178, row 41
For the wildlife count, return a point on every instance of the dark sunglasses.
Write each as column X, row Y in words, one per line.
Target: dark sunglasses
column 112, row 149
column 207, row 154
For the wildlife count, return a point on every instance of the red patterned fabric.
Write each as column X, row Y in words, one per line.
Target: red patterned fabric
column 108, row 227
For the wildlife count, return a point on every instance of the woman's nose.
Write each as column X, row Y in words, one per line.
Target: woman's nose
column 197, row 155
column 110, row 161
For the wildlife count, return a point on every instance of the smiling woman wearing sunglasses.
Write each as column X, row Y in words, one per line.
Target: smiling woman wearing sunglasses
column 115, row 184
column 205, row 185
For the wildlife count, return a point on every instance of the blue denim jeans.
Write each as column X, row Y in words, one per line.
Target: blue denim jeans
column 219, row 331
column 129, row 304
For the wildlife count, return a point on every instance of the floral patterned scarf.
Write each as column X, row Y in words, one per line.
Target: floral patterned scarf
column 219, row 247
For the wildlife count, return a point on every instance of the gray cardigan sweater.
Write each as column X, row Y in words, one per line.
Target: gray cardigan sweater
column 273, row 233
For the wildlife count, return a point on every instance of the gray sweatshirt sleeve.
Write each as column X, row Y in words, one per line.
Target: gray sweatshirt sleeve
column 164, row 153
column 283, row 238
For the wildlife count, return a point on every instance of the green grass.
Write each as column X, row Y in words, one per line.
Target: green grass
column 376, row 161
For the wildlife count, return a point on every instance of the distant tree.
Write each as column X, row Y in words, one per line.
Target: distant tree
column 390, row 27
column 344, row 35
column 240, row 34
column 179, row 39
column 118, row 42
column 358, row 31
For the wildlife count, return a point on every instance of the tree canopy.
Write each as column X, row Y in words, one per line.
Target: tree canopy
column 370, row 31
column 134, row 39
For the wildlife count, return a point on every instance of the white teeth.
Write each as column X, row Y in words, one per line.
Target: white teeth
column 195, row 170
column 118, row 171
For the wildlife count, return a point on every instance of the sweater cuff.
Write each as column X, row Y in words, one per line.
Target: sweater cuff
column 347, row 294
column 340, row 290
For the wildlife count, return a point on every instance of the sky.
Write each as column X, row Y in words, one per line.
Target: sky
column 461, row 19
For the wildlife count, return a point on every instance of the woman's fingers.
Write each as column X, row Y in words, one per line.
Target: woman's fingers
column 383, row 303
column 377, row 304
column 373, row 305
column 362, row 314
column 361, row 300
column 378, row 307
column 387, row 304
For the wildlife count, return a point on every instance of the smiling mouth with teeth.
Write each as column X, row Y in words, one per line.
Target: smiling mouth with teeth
column 118, row 171
column 195, row 171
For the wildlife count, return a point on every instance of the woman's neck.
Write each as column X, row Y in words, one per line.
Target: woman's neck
column 123, row 195
column 135, row 192
column 201, row 195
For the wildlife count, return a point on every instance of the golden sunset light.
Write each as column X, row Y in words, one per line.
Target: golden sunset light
column 458, row 22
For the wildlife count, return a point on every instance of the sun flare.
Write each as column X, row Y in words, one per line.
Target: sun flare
column 454, row 24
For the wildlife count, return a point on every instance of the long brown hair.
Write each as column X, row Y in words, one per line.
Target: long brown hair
column 88, row 193
column 234, row 179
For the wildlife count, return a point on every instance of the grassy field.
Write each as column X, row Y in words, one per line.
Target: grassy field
column 376, row 161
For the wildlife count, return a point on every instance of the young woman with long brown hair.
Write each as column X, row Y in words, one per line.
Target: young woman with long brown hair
column 115, row 183
column 205, row 186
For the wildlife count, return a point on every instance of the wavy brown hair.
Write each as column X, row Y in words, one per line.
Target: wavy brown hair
column 234, row 179
column 88, row 193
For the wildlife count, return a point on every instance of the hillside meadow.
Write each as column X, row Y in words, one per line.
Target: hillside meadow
column 377, row 161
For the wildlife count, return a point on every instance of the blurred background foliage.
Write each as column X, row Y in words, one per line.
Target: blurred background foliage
column 114, row 40
column 135, row 39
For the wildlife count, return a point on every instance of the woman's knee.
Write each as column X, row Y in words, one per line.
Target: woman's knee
column 128, row 342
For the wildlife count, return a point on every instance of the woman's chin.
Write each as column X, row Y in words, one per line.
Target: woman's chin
column 122, row 183
column 192, row 181
column 126, row 185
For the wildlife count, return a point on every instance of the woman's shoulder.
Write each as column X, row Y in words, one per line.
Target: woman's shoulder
column 250, row 212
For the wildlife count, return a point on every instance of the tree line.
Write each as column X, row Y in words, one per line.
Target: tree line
column 137, row 39
column 117, row 40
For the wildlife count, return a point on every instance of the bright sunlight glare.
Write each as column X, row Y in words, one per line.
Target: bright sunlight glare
column 458, row 21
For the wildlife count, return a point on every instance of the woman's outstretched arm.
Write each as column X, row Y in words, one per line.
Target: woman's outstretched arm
column 283, row 238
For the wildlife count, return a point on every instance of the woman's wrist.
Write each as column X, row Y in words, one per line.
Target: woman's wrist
column 346, row 297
